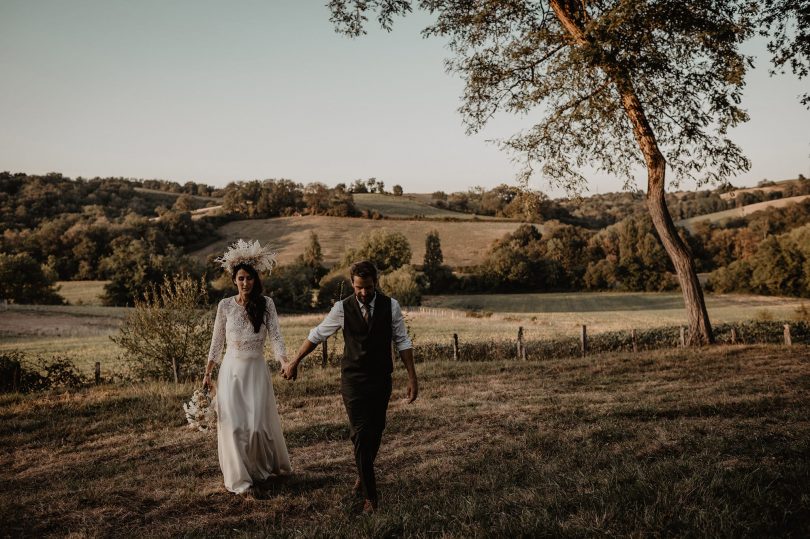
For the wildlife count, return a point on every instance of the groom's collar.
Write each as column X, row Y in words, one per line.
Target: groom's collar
column 370, row 303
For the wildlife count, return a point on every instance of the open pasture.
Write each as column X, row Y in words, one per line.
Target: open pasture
column 463, row 243
column 408, row 206
column 707, row 443
column 721, row 217
column 82, row 292
column 81, row 333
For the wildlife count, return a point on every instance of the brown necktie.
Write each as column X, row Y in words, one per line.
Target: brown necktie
column 366, row 312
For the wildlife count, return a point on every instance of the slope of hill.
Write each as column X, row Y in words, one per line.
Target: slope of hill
column 743, row 211
column 780, row 186
column 463, row 243
column 408, row 207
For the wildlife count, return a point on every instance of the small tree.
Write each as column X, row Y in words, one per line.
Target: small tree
column 402, row 284
column 438, row 275
column 312, row 258
column 169, row 330
column 23, row 280
column 388, row 250
column 397, row 189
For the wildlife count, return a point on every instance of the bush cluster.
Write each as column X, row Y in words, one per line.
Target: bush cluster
column 19, row 374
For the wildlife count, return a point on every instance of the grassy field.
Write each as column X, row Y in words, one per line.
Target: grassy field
column 81, row 333
column 743, row 211
column 408, row 206
column 707, row 443
column 463, row 243
column 82, row 292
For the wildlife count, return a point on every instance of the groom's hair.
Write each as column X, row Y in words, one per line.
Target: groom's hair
column 363, row 269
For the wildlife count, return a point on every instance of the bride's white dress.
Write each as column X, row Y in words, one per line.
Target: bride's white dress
column 250, row 441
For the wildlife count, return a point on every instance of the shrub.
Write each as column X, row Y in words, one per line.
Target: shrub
column 402, row 285
column 17, row 374
column 291, row 287
column 334, row 286
column 388, row 250
column 168, row 332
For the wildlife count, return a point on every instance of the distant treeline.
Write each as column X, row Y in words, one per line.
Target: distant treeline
column 598, row 211
column 105, row 228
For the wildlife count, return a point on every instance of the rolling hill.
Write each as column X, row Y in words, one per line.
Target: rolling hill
column 409, row 206
column 743, row 211
column 463, row 243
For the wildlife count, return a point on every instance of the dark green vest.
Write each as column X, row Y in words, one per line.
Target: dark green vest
column 367, row 347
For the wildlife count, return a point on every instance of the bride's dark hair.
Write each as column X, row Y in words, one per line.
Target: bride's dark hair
column 255, row 305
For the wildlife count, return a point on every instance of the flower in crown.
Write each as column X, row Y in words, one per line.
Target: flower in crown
column 251, row 253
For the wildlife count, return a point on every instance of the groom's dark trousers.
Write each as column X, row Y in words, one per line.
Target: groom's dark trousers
column 366, row 382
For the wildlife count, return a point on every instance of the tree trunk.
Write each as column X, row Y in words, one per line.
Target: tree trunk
column 176, row 370
column 572, row 18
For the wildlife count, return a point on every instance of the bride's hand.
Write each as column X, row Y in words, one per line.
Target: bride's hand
column 289, row 371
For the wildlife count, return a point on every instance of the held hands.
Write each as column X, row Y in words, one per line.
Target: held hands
column 289, row 371
column 207, row 380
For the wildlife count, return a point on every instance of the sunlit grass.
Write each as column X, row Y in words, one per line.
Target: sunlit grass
column 711, row 442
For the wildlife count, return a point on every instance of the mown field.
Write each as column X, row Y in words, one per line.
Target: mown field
column 408, row 206
column 82, row 333
column 721, row 217
column 463, row 243
column 698, row 443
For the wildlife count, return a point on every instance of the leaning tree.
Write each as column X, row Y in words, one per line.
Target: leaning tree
column 611, row 85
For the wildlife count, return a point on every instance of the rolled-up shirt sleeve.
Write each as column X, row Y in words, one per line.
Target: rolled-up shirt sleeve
column 330, row 324
column 398, row 329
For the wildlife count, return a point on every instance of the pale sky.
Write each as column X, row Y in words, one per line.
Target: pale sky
column 216, row 91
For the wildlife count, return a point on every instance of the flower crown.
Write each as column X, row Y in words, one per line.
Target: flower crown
column 251, row 253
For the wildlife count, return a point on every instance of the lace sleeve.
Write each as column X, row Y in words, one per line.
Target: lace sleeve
column 218, row 337
column 274, row 332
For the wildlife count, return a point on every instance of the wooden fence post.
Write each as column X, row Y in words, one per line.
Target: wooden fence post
column 456, row 355
column 733, row 335
column 583, row 340
column 683, row 337
column 788, row 341
column 98, row 373
column 521, row 347
column 633, row 338
column 324, row 353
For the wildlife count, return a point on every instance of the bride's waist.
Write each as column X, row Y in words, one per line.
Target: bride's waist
column 244, row 348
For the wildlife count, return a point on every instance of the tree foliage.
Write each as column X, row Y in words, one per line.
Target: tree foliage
column 388, row 250
column 516, row 56
column 168, row 333
column 22, row 280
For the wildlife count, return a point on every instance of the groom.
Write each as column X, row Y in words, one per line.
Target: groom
column 370, row 323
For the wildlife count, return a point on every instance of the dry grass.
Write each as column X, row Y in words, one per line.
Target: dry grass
column 712, row 442
column 463, row 243
column 721, row 217
column 82, row 292
column 409, row 206
column 81, row 333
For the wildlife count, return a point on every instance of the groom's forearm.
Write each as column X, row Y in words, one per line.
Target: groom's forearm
column 306, row 347
column 407, row 359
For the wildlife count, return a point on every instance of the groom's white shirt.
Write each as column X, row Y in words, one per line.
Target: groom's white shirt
column 334, row 322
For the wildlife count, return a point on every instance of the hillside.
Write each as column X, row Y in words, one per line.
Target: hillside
column 463, row 243
column 721, row 217
column 408, row 207
column 779, row 186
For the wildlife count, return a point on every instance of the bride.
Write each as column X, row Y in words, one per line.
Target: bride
column 250, row 442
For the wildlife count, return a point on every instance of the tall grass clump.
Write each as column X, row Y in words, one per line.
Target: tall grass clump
column 169, row 330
